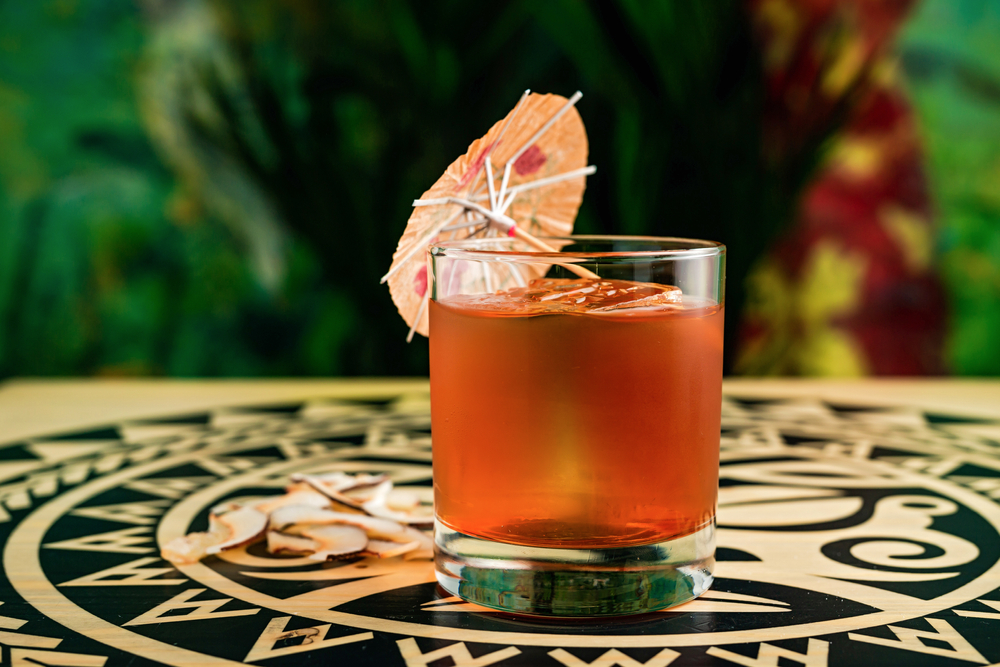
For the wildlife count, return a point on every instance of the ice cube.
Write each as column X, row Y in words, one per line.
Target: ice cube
column 580, row 296
column 597, row 296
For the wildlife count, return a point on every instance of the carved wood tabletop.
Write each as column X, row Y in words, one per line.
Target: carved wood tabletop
column 858, row 524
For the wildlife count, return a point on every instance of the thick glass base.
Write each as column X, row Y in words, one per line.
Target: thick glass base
column 575, row 582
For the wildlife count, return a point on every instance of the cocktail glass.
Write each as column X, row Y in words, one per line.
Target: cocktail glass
column 575, row 408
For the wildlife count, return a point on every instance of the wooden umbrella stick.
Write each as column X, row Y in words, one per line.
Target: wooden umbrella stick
column 464, row 225
column 506, row 223
column 493, row 216
column 510, row 119
column 544, row 128
column 538, row 244
column 511, row 227
column 516, row 189
column 400, row 259
column 549, row 180
column 420, row 314
column 515, row 272
column 535, row 137
column 489, row 182
column 503, row 186
column 496, row 142
column 487, row 277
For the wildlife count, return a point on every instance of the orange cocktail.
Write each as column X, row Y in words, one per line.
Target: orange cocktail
column 575, row 416
column 575, row 428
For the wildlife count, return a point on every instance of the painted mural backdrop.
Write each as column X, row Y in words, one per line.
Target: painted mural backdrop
column 952, row 58
column 209, row 187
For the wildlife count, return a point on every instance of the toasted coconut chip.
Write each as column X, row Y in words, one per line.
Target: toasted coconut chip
column 295, row 515
column 335, row 480
column 290, row 515
column 402, row 500
column 401, row 517
column 294, row 529
column 419, row 517
column 384, row 549
column 342, row 503
column 426, row 541
column 411, row 534
column 298, row 497
column 241, row 526
column 422, row 512
column 338, row 506
column 189, row 549
column 334, row 515
column 339, row 482
column 333, row 496
column 278, row 542
column 336, row 541
column 329, row 498
column 362, row 481
column 365, row 493
column 425, row 493
column 426, row 549
column 378, row 493
column 286, row 517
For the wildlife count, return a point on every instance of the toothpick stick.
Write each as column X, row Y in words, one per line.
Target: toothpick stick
column 463, row 225
column 523, row 187
column 544, row 128
column 510, row 120
column 503, row 184
column 505, row 222
column 515, row 271
column 549, row 180
column 487, row 277
column 506, row 204
column 518, row 189
column 484, row 227
column 420, row 314
column 496, row 142
column 422, row 242
column 451, row 281
column 535, row 137
column 489, row 183
column 538, row 244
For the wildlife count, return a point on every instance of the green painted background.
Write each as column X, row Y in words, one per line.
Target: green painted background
column 213, row 188
column 951, row 51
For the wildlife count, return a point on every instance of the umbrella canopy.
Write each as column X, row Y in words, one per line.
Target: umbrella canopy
column 524, row 178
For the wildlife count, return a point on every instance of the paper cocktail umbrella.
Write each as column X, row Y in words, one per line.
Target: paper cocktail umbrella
column 524, row 179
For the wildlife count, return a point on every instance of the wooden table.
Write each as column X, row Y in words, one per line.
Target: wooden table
column 858, row 524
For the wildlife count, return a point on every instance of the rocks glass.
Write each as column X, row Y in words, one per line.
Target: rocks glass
column 575, row 408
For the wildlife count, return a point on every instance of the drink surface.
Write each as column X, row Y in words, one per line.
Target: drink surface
column 576, row 413
column 554, row 295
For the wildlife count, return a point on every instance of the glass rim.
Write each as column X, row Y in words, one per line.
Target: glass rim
column 472, row 249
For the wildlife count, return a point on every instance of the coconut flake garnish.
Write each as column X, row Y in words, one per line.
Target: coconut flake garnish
column 323, row 517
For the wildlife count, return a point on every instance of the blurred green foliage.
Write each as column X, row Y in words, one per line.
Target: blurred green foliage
column 213, row 187
column 951, row 51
